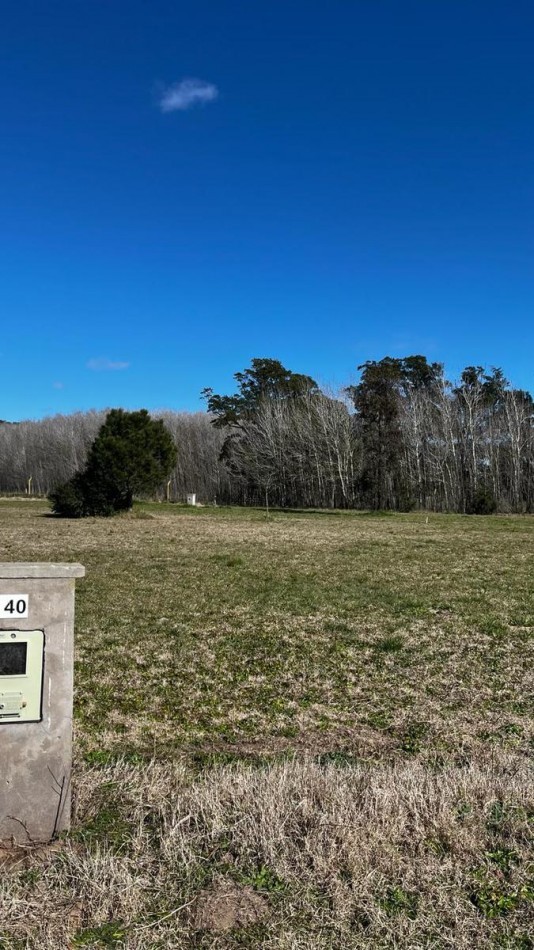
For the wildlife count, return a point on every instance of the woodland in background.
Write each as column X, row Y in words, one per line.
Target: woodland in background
column 404, row 437
column 52, row 450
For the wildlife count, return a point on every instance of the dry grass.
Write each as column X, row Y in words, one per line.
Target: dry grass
column 369, row 680
column 395, row 856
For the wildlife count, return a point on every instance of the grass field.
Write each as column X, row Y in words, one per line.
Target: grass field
column 303, row 730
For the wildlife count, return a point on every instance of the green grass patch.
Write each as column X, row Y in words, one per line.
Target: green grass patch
column 211, row 632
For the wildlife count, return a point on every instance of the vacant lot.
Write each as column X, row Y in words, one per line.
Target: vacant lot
column 306, row 730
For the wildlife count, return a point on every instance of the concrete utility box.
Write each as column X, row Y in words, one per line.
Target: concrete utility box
column 192, row 499
column 36, row 683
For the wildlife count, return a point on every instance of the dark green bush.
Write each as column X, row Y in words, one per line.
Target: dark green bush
column 131, row 455
column 483, row 502
column 68, row 500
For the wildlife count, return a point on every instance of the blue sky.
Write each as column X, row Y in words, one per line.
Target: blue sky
column 344, row 181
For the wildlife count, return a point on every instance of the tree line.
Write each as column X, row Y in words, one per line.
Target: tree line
column 403, row 437
column 37, row 456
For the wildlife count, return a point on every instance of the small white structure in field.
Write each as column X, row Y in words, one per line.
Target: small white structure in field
column 192, row 500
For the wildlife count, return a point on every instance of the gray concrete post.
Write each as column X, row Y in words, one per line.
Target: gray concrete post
column 36, row 627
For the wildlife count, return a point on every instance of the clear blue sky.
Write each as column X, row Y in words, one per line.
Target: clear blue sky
column 350, row 179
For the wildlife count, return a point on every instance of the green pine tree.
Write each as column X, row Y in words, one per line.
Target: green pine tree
column 131, row 455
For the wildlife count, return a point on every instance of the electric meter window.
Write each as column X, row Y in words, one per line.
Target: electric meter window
column 21, row 675
column 13, row 659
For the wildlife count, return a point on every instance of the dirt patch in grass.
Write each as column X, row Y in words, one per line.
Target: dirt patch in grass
column 14, row 858
column 227, row 906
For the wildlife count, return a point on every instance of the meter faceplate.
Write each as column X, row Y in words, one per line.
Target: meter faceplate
column 21, row 675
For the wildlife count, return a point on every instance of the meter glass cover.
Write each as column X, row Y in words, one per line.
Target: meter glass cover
column 13, row 659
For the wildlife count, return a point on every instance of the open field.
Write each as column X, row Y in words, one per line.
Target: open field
column 328, row 717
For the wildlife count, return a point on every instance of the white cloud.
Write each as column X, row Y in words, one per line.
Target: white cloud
column 186, row 94
column 102, row 364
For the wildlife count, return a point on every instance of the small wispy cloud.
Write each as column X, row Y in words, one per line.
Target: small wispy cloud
column 102, row 364
column 58, row 385
column 186, row 94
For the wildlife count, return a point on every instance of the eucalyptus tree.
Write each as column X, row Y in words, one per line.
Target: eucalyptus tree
column 265, row 380
column 380, row 400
